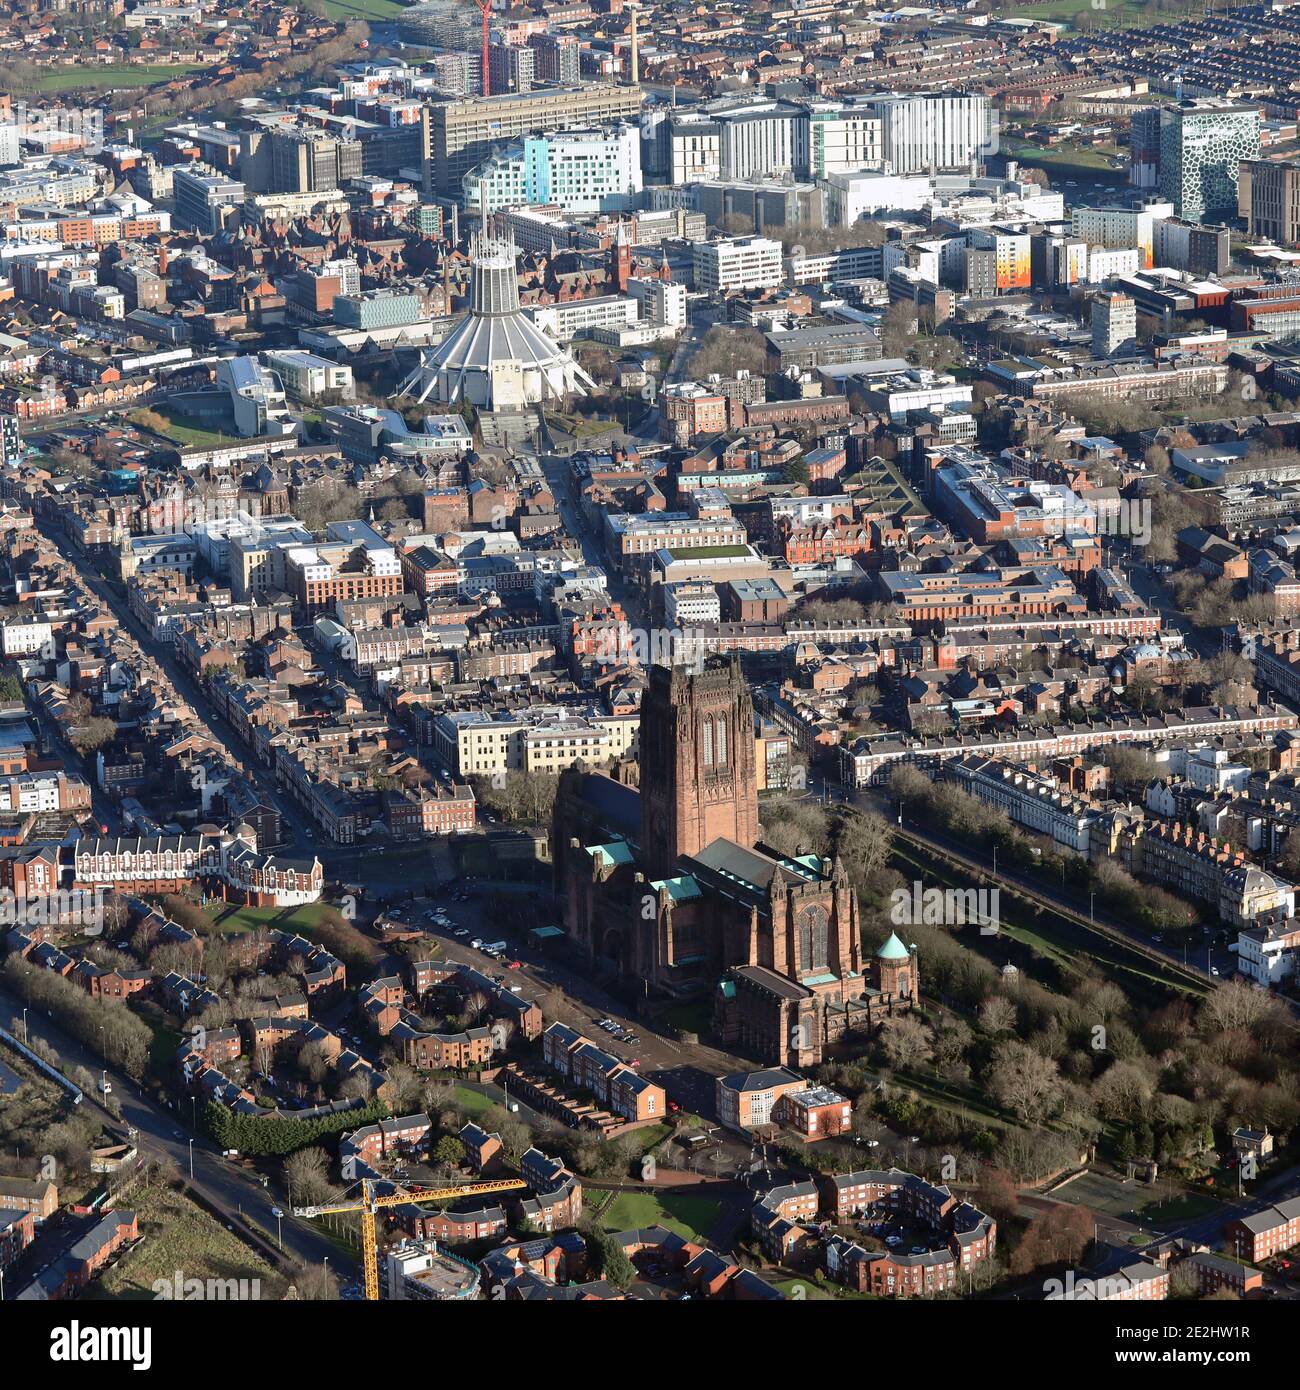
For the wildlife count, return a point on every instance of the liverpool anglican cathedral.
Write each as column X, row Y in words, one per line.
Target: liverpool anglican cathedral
column 667, row 885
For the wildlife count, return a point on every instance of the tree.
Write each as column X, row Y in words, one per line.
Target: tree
column 317, row 1284
column 1234, row 1005
column 727, row 350
column 1023, row 1081
column 863, row 845
column 614, row 1265
column 997, row 1194
column 897, row 328
column 93, row 734
column 998, row 1015
column 1123, row 1092
column 307, row 1175
column 449, row 1152
column 1059, row 1236
column 906, row 1042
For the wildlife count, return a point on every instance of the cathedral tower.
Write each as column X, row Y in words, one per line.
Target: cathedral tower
column 698, row 780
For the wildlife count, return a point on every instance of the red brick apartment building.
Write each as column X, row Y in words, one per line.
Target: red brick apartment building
column 34, row 1195
column 459, row 1051
column 424, row 811
column 615, row 1085
column 1264, row 1233
column 1213, row 1273
column 17, row 1231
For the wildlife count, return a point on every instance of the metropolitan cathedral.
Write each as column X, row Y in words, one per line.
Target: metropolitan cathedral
column 666, row 884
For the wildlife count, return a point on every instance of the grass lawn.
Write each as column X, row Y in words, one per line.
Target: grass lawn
column 364, row 9
column 801, row 1289
column 1113, row 14
column 1066, row 161
column 1102, row 1192
column 1186, row 1206
column 689, row 1216
column 968, row 1104
column 693, row 1016
column 162, row 1051
column 303, row 919
column 117, row 75
column 471, row 1102
column 708, row 552
column 187, row 430
column 178, row 1235
column 652, row 1135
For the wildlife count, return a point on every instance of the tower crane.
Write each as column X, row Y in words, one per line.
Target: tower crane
column 485, row 9
column 371, row 1202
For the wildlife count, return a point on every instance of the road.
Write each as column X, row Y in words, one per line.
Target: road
column 558, row 475
column 212, row 725
column 699, row 323
column 1153, row 593
column 163, row 1134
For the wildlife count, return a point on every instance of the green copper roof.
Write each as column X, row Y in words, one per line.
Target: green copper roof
column 680, row 890
column 614, row 853
column 893, row 949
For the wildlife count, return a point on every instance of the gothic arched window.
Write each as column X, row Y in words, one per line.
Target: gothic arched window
column 707, row 731
column 722, row 741
column 814, row 939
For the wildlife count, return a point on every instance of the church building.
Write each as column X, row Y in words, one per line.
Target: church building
column 668, row 884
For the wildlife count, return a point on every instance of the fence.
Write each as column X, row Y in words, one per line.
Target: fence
column 44, row 1067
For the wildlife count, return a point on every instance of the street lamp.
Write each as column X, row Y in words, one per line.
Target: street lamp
column 279, row 1216
column 26, row 1043
column 191, row 1160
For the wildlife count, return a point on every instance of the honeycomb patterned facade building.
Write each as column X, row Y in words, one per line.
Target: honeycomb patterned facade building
column 1202, row 143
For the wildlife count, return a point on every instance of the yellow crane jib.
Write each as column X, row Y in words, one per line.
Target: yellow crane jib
column 370, row 1202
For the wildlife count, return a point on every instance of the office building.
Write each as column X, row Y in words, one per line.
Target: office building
column 11, row 448
column 842, row 138
column 205, row 200
column 1114, row 325
column 1268, row 198
column 511, row 68
column 557, row 59
column 924, row 132
column 1201, row 144
column 387, row 308
column 579, row 171
column 306, row 160
column 462, row 134
column 737, row 138
column 737, row 263
column 1189, row 246
column 1117, row 229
